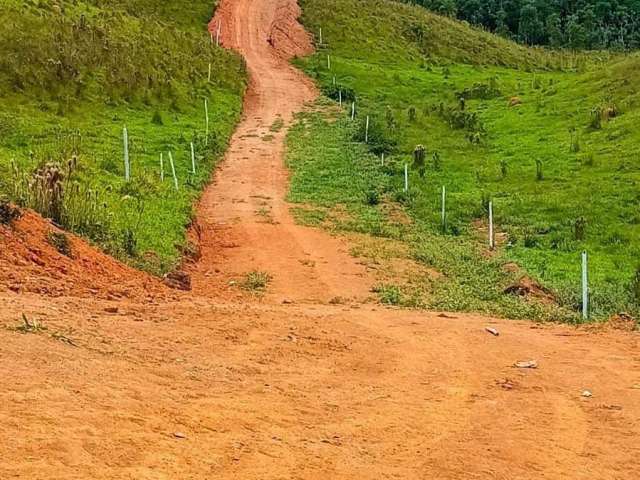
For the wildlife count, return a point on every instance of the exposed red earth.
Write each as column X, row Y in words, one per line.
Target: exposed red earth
column 124, row 378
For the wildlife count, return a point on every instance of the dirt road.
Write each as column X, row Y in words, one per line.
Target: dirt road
column 243, row 217
column 144, row 383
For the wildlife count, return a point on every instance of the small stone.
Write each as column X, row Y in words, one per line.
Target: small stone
column 587, row 394
column 179, row 435
column 527, row 364
column 492, row 331
column 179, row 280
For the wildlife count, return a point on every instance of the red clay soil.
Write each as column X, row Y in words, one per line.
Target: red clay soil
column 125, row 381
column 30, row 263
column 243, row 218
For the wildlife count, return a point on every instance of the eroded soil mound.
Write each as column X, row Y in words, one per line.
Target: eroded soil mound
column 38, row 257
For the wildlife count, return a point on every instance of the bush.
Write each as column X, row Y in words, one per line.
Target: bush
column 334, row 91
column 8, row 213
column 372, row 197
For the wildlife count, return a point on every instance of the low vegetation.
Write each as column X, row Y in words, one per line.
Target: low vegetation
column 498, row 123
column 72, row 76
column 256, row 282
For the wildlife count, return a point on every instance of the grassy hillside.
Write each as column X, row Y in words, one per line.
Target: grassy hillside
column 73, row 74
column 548, row 137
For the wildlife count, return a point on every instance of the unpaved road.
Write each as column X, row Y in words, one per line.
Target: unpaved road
column 243, row 217
column 208, row 386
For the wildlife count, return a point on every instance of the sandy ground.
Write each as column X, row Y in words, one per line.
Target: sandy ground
column 127, row 379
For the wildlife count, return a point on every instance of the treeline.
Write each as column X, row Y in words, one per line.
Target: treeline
column 578, row 24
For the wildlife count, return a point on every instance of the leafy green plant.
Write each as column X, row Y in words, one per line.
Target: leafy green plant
column 30, row 326
column 389, row 294
column 256, row 281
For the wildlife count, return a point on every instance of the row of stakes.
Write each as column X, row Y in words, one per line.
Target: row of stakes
column 125, row 135
column 127, row 162
column 492, row 244
column 585, row 277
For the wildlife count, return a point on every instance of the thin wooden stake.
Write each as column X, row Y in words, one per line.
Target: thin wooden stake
column 328, row 62
column 353, row 110
column 340, row 96
column 127, row 165
column 173, row 171
column 492, row 243
column 444, row 209
column 585, row 286
column 382, row 159
column 406, row 177
column 320, row 36
column 161, row 168
column 366, row 131
column 209, row 76
column 193, row 159
column 218, row 33
column 206, row 122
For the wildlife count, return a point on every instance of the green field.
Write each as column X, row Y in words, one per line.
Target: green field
column 73, row 74
column 561, row 167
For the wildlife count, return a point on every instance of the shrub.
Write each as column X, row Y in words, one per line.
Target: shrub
column 389, row 294
column 8, row 213
column 412, row 114
column 157, row 118
column 129, row 242
column 539, row 173
column 256, row 281
column 334, row 91
column 579, row 228
column 372, row 197
column 503, row 168
column 481, row 91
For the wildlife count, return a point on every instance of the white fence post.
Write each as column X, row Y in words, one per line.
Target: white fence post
column 173, row 171
column 492, row 243
column 193, row 159
column 127, row 165
column 161, row 168
column 366, row 131
column 320, row 35
column 206, row 122
column 444, row 209
column 585, row 286
column 328, row 62
column 340, row 96
column 209, row 76
column 353, row 110
column 406, row 177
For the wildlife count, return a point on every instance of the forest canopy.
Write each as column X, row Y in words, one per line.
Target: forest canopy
column 577, row 24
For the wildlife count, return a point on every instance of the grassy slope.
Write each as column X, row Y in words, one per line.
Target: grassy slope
column 396, row 57
column 72, row 74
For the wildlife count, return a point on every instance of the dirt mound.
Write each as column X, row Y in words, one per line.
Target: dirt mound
column 283, row 31
column 38, row 257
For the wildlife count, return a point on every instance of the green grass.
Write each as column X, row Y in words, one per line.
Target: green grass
column 73, row 74
column 256, row 282
column 489, row 152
